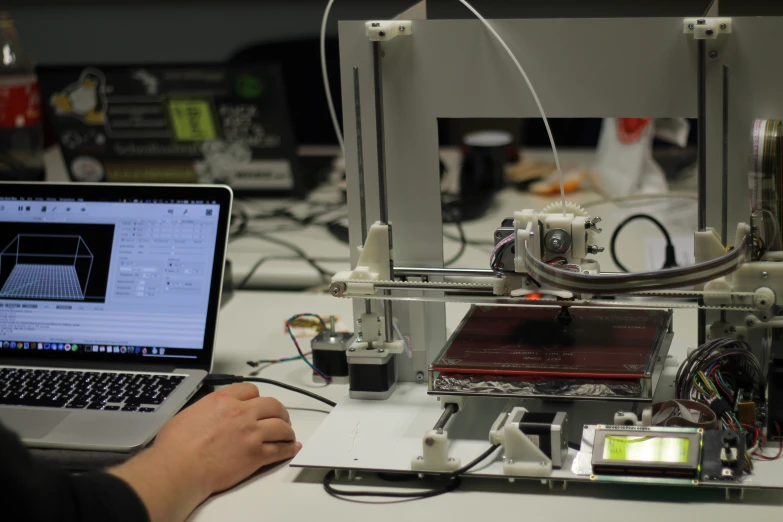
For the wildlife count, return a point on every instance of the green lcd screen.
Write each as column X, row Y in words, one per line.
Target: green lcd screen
column 646, row 449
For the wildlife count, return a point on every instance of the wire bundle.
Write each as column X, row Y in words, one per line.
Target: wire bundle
column 761, row 440
column 561, row 262
column 499, row 250
column 703, row 360
column 270, row 362
column 704, row 377
column 296, row 343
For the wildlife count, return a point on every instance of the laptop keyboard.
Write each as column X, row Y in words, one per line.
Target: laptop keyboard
column 91, row 390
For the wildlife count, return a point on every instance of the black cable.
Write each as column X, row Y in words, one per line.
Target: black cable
column 245, row 280
column 325, row 274
column 453, row 477
column 217, row 379
column 669, row 260
column 239, row 216
column 463, row 244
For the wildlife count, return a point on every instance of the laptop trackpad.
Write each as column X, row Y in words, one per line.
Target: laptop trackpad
column 31, row 424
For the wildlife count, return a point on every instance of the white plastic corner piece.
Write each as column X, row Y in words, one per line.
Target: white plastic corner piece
column 706, row 28
column 385, row 30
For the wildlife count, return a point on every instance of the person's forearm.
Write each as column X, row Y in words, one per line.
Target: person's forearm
column 168, row 489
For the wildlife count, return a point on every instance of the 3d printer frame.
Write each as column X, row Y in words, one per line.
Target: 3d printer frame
column 646, row 67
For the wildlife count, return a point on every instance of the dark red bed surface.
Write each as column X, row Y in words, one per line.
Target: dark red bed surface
column 613, row 344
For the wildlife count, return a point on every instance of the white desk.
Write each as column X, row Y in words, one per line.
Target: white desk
column 252, row 327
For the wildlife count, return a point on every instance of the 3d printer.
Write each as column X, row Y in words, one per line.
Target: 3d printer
column 572, row 385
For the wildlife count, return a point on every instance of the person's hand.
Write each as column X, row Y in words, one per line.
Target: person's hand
column 209, row 447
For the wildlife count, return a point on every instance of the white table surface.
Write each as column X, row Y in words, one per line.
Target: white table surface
column 251, row 327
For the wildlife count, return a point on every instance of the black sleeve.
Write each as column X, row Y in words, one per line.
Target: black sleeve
column 31, row 491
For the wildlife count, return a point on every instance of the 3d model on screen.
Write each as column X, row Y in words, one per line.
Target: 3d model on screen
column 46, row 266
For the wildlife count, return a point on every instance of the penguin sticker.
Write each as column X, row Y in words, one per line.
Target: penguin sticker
column 84, row 99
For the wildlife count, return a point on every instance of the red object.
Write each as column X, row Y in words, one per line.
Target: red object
column 598, row 343
column 20, row 105
column 630, row 130
column 780, row 447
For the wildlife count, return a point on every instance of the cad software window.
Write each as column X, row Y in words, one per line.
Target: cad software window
column 135, row 274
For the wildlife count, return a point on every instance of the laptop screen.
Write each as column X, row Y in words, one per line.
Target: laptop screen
column 120, row 277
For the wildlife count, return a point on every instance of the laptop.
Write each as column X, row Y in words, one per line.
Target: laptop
column 109, row 299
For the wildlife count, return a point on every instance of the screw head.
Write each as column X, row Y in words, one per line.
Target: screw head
column 351, row 349
column 420, row 376
column 723, row 26
column 419, row 458
column 381, row 33
column 429, row 441
column 749, row 322
column 509, row 461
column 713, row 54
column 557, row 240
column 710, row 32
column 402, row 28
column 764, row 275
column 498, row 235
column 701, row 21
column 690, row 26
column 501, row 266
column 381, row 350
column 543, row 463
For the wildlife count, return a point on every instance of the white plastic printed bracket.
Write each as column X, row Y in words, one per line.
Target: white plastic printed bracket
column 522, row 457
column 373, row 264
column 706, row 28
column 435, row 453
column 385, row 30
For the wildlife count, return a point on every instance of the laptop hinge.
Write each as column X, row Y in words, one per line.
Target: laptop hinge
column 89, row 365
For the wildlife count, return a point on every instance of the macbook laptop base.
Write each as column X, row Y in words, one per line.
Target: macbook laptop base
column 109, row 297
